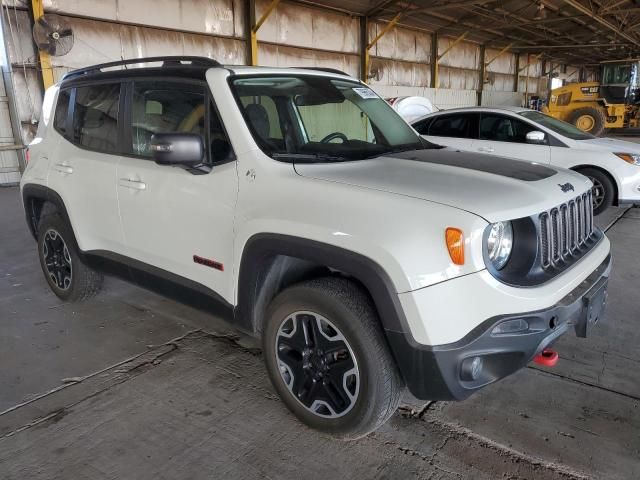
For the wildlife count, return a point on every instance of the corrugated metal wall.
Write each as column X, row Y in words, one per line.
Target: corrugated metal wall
column 294, row 35
column 401, row 58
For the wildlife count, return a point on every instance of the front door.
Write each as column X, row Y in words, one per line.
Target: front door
column 173, row 219
column 505, row 136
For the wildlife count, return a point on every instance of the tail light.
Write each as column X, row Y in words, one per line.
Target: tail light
column 27, row 155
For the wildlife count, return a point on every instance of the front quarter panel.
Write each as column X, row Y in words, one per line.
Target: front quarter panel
column 625, row 175
column 403, row 235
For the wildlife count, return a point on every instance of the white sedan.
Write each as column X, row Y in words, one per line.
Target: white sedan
column 612, row 165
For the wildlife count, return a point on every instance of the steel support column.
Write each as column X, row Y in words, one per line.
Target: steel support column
column 516, row 75
column 443, row 54
column 46, row 71
column 434, row 60
column 481, row 73
column 253, row 26
column 366, row 56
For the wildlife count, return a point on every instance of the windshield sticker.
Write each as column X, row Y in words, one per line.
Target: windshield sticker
column 365, row 93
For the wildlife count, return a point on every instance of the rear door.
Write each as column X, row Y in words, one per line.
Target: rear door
column 178, row 221
column 457, row 130
column 505, row 135
column 84, row 164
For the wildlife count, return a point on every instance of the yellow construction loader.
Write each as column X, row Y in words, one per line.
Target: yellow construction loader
column 596, row 106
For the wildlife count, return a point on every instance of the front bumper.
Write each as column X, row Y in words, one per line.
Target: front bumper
column 628, row 183
column 443, row 372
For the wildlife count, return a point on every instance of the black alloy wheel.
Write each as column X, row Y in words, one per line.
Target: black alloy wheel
column 327, row 357
column 57, row 259
column 317, row 364
column 597, row 193
column 603, row 191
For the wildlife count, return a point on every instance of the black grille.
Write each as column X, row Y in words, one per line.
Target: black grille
column 565, row 231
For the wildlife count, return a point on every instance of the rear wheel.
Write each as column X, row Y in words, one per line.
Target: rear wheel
column 589, row 119
column 602, row 191
column 328, row 359
column 66, row 273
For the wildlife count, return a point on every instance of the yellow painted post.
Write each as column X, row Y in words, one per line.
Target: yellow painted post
column 364, row 53
column 254, row 47
column 46, row 69
column 253, row 34
column 443, row 54
column 370, row 45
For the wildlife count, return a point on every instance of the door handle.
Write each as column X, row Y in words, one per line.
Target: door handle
column 134, row 184
column 486, row 149
column 62, row 168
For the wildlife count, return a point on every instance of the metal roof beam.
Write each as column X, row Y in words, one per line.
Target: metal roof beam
column 450, row 5
column 380, row 7
column 587, row 11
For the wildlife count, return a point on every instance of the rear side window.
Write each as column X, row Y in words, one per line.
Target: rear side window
column 455, row 125
column 62, row 109
column 95, row 117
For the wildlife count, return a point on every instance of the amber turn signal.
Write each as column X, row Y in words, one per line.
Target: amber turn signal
column 455, row 244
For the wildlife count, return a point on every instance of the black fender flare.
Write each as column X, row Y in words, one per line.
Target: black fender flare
column 260, row 248
column 33, row 191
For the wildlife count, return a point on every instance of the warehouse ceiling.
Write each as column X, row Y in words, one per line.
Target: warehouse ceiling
column 575, row 31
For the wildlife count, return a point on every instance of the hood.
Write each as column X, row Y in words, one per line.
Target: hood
column 494, row 188
column 611, row 145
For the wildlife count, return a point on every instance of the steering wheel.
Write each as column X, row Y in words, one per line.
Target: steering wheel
column 333, row 136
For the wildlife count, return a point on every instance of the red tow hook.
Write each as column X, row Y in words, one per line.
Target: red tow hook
column 547, row 357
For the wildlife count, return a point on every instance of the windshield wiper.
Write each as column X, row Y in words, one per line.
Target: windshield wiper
column 308, row 157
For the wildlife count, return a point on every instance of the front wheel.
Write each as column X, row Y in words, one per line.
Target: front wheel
column 328, row 359
column 602, row 192
column 589, row 119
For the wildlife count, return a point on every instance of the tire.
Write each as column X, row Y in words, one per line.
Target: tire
column 363, row 376
column 603, row 190
column 594, row 117
column 63, row 267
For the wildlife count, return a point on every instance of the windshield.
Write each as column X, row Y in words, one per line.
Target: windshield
column 558, row 126
column 616, row 74
column 320, row 118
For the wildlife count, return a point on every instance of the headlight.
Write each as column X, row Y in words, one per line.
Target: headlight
column 499, row 243
column 632, row 158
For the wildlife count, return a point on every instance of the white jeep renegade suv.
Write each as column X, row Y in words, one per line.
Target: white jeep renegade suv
column 299, row 204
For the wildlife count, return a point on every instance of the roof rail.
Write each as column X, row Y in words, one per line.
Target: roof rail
column 328, row 70
column 170, row 61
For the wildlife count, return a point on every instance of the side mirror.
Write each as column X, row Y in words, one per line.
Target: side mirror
column 535, row 136
column 179, row 149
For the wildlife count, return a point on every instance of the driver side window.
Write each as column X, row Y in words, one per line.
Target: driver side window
column 501, row 128
column 165, row 107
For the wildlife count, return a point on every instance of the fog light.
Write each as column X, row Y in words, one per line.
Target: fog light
column 471, row 368
column 510, row 327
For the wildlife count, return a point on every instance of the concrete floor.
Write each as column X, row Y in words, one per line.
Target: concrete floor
column 132, row 386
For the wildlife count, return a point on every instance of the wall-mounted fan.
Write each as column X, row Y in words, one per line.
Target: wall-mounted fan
column 376, row 72
column 53, row 35
column 490, row 78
